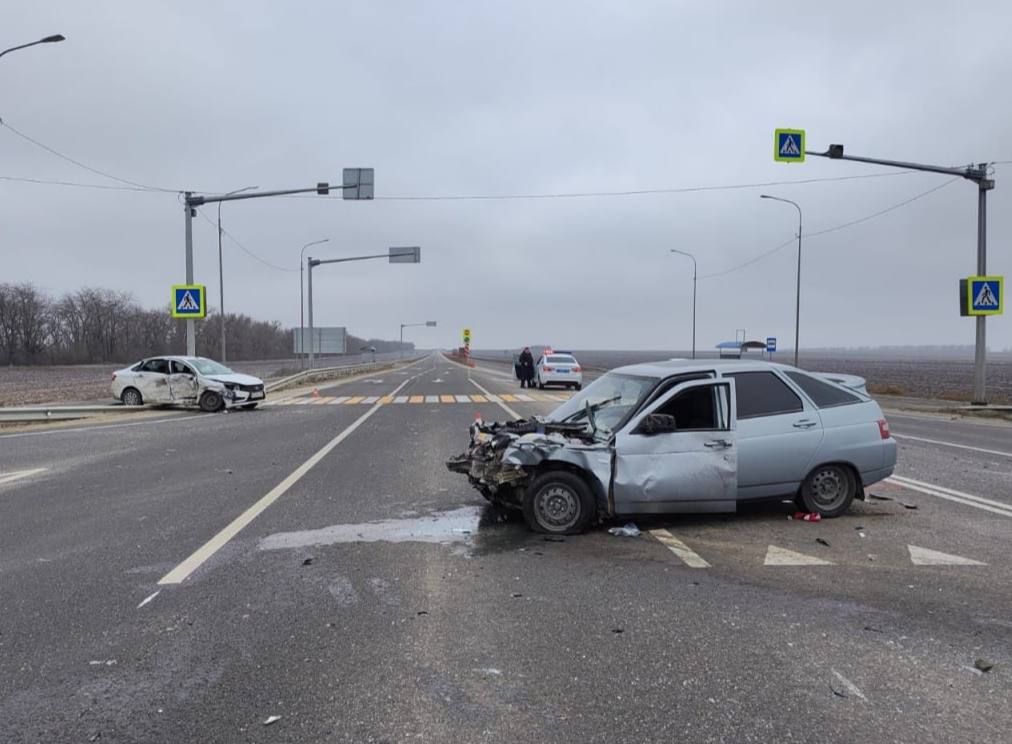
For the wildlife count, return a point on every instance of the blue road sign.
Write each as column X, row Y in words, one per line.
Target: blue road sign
column 985, row 295
column 189, row 301
column 789, row 145
column 771, row 344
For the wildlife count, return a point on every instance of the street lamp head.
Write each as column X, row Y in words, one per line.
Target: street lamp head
column 53, row 38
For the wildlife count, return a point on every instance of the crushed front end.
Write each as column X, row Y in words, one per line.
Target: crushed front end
column 503, row 457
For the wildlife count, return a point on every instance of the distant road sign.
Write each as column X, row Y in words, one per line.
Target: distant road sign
column 189, row 301
column 789, row 145
column 771, row 344
column 985, row 295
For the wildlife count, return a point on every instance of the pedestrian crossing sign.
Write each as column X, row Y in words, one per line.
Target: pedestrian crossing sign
column 189, row 301
column 789, row 145
column 984, row 295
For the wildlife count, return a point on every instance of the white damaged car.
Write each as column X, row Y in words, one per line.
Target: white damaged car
column 186, row 381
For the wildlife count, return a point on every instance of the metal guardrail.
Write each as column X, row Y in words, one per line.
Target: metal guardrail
column 328, row 373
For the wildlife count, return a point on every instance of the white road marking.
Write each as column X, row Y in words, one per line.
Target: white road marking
column 851, row 687
column 19, row 474
column 463, row 399
column 431, row 398
column 401, row 399
column 525, row 398
column 959, row 497
column 688, row 556
column 783, row 557
column 370, row 400
column 338, row 400
column 926, row 557
column 498, row 401
column 148, row 599
column 212, row 546
column 982, row 450
column 78, row 429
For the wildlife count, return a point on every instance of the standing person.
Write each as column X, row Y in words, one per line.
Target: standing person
column 526, row 368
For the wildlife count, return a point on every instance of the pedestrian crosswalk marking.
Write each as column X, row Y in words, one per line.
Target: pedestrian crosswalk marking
column 352, row 400
column 927, row 557
column 783, row 557
column 688, row 556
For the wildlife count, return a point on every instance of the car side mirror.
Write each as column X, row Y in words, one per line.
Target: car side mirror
column 657, row 423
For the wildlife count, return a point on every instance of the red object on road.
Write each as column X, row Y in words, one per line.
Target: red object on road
column 807, row 516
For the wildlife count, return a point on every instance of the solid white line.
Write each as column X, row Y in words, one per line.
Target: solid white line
column 688, row 556
column 984, row 450
column 19, row 474
column 149, row 599
column 78, row 429
column 212, row 546
column 951, row 494
column 498, row 401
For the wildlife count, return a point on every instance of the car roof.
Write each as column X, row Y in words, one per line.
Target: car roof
column 676, row 366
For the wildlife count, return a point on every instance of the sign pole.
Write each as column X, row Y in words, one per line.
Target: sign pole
column 191, row 328
column 980, row 349
column 309, row 293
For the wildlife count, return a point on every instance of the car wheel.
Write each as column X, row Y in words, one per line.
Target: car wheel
column 828, row 490
column 211, row 402
column 131, row 397
column 578, row 386
column 558, row 503
column 249, row 406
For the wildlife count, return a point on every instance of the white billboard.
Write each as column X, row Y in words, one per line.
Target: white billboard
column 325, row 341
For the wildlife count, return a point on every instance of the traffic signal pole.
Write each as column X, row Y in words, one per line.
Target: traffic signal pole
column 979, row 175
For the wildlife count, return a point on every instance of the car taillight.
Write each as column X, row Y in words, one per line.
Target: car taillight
column 547, row 369
column 577, row 369
column 113, row 375
column 883, row 428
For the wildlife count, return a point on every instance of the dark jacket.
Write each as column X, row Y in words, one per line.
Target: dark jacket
column 526, row 365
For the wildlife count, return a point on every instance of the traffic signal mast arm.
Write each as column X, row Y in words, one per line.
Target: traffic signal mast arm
column 972, row 173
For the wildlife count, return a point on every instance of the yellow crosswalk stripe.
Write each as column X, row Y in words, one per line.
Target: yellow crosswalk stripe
column 416, row 399
column 386, row 399
column 479, row 399
column 447, row 399
column 355, row 400
column 510, row 398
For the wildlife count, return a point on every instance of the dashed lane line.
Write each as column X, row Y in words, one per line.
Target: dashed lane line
column 687, row 555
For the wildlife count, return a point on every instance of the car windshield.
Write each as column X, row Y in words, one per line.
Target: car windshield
column 210, row 367
column 610, row 398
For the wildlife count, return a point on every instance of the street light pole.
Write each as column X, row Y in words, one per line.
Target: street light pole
column 395, row 255
column 797, row 295
column 46, row 40
column 221, row 275
column 302, row 304
column 980, row 176
column 427, row 324
column 683, row 253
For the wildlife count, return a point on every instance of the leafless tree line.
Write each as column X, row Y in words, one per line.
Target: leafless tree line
column 96, row 325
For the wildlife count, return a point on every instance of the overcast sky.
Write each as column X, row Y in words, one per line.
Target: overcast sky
column 483, row 98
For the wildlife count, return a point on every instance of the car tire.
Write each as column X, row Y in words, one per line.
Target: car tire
column 211, row 402
column 131, row 397
column 249, row 406
column 558, row 503
column 828, row 490
column 578, row 386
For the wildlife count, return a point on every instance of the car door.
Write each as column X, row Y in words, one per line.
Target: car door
column 779, row 434
column 153, row 381
column 182, row 382
column 689, row 463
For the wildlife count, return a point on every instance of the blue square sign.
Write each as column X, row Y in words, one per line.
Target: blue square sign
column 771, row 344
column 189, row 301
column 789, row 145
column 985, row 295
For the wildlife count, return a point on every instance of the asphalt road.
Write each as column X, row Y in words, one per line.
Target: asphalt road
column 189, row 579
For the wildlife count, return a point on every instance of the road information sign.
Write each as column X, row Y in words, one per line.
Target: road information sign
column 189, row 301
column 789, row 145
column 771, row 344
column 984, row 295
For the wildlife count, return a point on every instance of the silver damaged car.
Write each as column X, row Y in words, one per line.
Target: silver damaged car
column 685, row 436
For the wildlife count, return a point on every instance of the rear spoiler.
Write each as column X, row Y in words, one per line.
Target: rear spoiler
column 853, row 382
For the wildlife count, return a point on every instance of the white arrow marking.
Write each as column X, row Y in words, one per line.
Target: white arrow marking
column 926, row 557
column 783, row 557
column 19, row 474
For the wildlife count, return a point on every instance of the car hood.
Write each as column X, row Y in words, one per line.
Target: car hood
column 236, row 378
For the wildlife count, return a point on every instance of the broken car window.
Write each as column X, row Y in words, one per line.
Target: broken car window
column 612, row 398
column 160, row 366
column 693, row 409
column 178, row 368
column 210, row 367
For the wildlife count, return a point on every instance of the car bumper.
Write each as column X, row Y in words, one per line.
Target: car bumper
column 557, row 379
